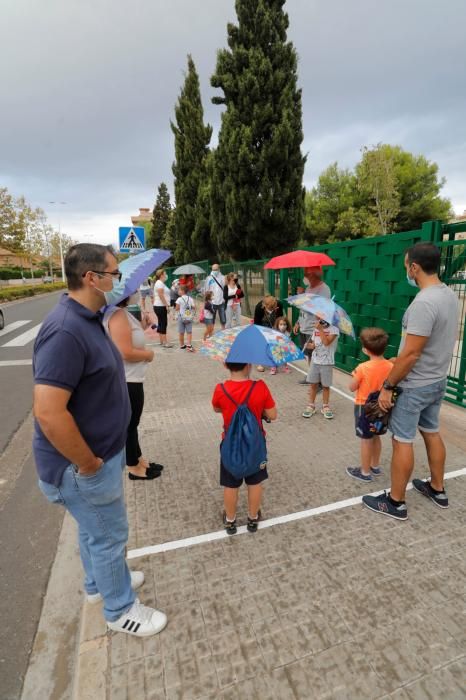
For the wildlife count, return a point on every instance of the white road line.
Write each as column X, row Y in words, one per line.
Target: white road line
column 280, row 520
column 333, row 388
column 12, row 327
column 24, row 338
column 14, row 363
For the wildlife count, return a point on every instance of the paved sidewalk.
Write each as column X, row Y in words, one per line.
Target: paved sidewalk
column 343, row 604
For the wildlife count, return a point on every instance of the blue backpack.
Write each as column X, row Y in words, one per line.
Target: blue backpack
column 243, row 450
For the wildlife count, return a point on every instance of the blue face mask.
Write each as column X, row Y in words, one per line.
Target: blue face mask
column 410, row 281
column 114, row 295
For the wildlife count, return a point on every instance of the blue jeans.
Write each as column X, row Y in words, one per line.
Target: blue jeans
column 417, row 407
column 97, row 504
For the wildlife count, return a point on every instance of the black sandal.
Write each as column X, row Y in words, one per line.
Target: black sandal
column 148, row 477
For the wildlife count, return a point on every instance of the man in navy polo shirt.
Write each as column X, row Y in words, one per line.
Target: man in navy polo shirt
column 82, row 412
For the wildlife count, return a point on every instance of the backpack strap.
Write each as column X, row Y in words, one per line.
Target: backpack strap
column 245, row 402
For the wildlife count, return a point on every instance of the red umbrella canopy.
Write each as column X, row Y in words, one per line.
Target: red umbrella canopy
column 299, row 258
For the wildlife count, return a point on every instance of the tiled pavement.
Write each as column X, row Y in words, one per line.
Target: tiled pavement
column 341, row 605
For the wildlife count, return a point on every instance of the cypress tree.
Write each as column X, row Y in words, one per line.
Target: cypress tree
column 192, row 140
column 257, row 195
column 160, row 216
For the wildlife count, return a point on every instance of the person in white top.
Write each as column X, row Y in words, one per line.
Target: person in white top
column 215, row 283
column 162, row 306
column 128, row 335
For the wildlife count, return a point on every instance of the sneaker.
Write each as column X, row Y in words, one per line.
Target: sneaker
column 376, row 471
column 166, row 345
column 183, row 347
column 356, row 473
column 327, row 413
column 189, row 348
column 424, row 487
column 253, row 523
column 140, row 621
column 137, row 579
column 382, row 504
column 309, row 412
column 230, row 527
column 273, row 370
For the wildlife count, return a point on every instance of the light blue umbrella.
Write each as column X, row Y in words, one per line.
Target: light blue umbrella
column 136, row 269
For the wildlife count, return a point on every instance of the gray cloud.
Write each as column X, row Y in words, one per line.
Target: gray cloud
column 88, row 89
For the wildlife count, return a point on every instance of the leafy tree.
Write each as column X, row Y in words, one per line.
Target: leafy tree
column 257, row 196
column 378, row 184
column 192, row 138
column 160, row 217
column 335, row 193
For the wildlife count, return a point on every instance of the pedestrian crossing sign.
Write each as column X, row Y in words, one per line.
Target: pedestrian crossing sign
column 132, row 239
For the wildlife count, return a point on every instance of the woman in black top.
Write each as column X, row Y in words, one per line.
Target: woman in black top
column 266, row 313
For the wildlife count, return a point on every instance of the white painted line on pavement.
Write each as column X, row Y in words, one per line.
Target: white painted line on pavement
column 333, row 388
column 14, row 363
column 24, row 338
column 279, row 520
column 12, row 327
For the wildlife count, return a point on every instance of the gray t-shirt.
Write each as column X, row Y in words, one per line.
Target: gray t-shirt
column 432, row 314
column 307, row 321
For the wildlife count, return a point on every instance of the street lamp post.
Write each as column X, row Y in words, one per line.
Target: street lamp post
column 60, row 244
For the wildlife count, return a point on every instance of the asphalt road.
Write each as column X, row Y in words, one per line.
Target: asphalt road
column 29, row 526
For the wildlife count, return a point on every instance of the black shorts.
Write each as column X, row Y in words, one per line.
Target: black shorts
column 228, row 480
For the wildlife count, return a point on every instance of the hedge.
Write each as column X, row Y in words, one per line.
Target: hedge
column 10, row 293
column 15, row 273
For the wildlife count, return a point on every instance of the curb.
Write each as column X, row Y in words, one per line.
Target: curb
column 90, row 680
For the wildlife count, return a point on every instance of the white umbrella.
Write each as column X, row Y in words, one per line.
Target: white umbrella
column 189, row 270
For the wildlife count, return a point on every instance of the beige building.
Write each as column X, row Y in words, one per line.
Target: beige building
column 144, row 216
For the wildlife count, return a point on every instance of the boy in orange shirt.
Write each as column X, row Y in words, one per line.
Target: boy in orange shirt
column 367, row 378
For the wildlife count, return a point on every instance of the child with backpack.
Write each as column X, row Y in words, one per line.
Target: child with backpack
column 368, row 378
column 243, row 404
column 185, row 307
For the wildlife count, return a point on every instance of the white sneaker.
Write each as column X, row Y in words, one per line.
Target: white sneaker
column 137, row 579
column 140, row 621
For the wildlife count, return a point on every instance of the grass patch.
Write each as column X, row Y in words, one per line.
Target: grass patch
column 11, row 293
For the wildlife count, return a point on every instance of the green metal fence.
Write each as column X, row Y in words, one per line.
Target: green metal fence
column 369, row 281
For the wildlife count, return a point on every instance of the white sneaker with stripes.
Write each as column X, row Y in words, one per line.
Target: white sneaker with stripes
column 137, row 579
column 140, row 621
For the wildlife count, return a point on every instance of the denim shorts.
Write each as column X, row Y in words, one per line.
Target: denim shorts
column 208, row 321
column 415, row 408
column 185, row 327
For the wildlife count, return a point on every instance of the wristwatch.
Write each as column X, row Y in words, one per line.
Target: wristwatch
column 389, row 387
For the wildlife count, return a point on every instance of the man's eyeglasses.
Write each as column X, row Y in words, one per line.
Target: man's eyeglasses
column 101, row 273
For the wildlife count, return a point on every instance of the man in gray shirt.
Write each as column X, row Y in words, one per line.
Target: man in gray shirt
column 429, row 334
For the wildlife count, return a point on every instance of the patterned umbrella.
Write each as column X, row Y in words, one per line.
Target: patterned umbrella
column 252, row 344
column 325, row 309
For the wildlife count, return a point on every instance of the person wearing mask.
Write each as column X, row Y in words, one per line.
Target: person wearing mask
column 128, row 335
column 307, row 323
column 82, row 411
column 232, row 295
column 162, row 306
column 215, row 283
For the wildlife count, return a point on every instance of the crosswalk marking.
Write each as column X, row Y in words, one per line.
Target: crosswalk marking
column 24, row 338
column 15, row 363
column 12, row 327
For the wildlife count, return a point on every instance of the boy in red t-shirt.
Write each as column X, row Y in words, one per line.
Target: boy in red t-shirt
column 368, row 377
column 262, row 405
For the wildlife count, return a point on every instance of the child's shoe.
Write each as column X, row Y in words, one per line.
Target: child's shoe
column 327, row 413
column 376, row 471
column 356, row 473
column 286, row 369
column 230, row 526
column 253, row 523
column 189, row 348
column 273, row 370
column 309, row 412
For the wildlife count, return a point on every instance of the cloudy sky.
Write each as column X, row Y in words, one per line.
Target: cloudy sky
column 88, row 89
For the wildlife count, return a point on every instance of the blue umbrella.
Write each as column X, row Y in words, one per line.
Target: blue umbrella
column 136, row 269
column 255, row 345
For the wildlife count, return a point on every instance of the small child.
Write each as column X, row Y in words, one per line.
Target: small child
column 367, row 378
column 323, row 343
column 185, row 307
column 262, row 405
column 208, row 315
column 283, row 325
